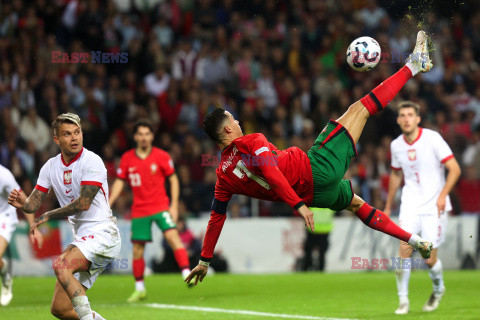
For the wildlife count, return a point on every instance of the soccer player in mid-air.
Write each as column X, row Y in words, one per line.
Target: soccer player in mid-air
column 145, row 169
column 252, row 166
column 8, row 222
column 419, row 157
column 79, row 179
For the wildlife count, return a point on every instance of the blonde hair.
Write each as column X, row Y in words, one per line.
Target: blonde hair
column 65, row 118
column 409, row 104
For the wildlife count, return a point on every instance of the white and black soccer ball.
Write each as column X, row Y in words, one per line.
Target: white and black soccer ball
column 363, row 54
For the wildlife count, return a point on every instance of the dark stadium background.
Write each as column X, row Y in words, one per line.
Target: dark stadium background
column 278, row 66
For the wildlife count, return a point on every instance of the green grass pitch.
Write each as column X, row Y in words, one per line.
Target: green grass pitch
column 285, row 296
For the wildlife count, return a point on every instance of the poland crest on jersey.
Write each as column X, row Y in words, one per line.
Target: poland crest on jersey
column 67, row 177
column 412, row 154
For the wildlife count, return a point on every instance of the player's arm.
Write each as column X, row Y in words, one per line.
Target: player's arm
column 214, row 228
column 30, row 205
column 454, row 173
column 280, row 185
column 116, row 190
column 175, row 193
column 18, row 199
column 82, row 203
column 396, row 178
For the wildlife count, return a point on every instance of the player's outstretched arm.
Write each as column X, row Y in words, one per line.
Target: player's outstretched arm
column 116, row 190
column 394, row 183
column 82, row 203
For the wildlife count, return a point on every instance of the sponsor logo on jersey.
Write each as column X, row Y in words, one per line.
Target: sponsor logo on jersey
column 67, row 177
column 68, row 191
column 412, row 154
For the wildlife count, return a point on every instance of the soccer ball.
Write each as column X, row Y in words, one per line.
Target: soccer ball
column 363, row 54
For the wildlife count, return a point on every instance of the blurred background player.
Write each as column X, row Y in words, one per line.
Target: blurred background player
column 317, row 239
column 79, row 179
column 252, row 166
column 8, row 222
column 419, row 157
column 145, row 168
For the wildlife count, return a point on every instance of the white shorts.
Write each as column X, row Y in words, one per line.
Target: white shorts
column 429, row 226
column 7, row 228
column 100, row 245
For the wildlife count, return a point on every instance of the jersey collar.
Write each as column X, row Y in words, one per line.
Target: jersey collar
column 73, row 160
column 418, row 137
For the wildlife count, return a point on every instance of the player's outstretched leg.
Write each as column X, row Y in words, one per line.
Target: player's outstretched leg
column 376, row 219
column 180, row 253
column 355, row 117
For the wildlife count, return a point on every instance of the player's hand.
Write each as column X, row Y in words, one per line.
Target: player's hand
column 17, row 199
column 441, row 205
column 36, row 237
column 387, row 211
column 37, row 222
column 307, row 214
column 174, row 213
column 199, row 272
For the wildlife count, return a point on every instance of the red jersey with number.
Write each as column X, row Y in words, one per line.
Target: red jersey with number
column 254, row 167
column 146, row 178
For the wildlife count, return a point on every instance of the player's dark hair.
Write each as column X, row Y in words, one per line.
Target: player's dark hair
column 408, row 104
column 65, row 118
column 212, row 124
column 143, row 123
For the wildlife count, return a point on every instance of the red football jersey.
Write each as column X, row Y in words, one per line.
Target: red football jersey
column 254, row 167
column 146, row 178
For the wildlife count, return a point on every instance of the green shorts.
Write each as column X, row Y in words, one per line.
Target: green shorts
column 330, row 157
column 142, row 227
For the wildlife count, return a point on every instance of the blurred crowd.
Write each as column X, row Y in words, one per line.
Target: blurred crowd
column 277, row 65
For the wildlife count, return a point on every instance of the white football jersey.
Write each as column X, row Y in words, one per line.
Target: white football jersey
column 86, row 168
column 423, row 170
column 7, row 184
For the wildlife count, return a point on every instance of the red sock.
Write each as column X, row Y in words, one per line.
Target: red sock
column 378, row 220
column 138, row 269
column 384, row 93
column 181, row 257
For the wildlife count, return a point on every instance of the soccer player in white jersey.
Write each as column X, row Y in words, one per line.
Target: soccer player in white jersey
column 8, row 223
column 79, row 179
column 419, row 156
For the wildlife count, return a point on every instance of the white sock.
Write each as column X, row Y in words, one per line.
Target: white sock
column 413, row 68
column 139, row 285
column 403, row 277
column 97, row 316
column 185, row 272
column 436, row 274
column 82, row 308
column 414, row 240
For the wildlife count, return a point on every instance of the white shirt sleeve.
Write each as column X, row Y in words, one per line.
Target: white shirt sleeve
column 442, row 150
column 94, row 172
column 395, row 164
column 43, row 183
